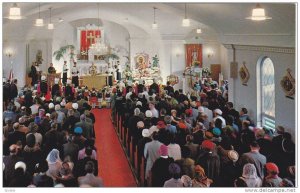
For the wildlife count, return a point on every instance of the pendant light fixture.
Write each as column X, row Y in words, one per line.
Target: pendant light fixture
column 14, row 12
column 258, row 14
column 185, row 21
column 198, row 30
column 39, row 22
column 50, row 24
column 154, row 24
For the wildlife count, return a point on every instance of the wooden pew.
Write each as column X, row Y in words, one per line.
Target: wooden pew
column 136, row 162
column 142, row 171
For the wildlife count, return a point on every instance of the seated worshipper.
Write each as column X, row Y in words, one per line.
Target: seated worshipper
column 272, row 179
column 201, row 180
column 142, row 142
column 79, row 167
column 151, row 153
column 87, row 128
column 66, row 177
column 229, row 171
column 21, row 178
column 10, row 161
column 193, row 148
column 186, row 164
column 175, row 181
column 209, row 160
column 245, row 117
column 32, row 153
column 174, row 149
column 159, row 170
column 171, row 128
column 71, row 149
column 90, row 179
column 255, row 158
column 87, row 143
column 40, row 179
column 286, row 183
column 218, row 115
column 51, row 69
column 187, row 181
column 54, row 163
column 250, row 176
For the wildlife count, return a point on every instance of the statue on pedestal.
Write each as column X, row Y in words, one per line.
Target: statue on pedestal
column 93, row 70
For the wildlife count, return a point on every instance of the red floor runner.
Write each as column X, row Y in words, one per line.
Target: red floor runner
column 112, row 163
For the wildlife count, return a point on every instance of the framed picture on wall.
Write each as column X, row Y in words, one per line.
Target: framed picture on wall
column 193, row 55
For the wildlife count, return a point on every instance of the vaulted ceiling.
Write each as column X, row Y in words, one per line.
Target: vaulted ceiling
column 224, row 22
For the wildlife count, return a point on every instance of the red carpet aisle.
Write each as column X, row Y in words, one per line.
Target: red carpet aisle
column 112, row 163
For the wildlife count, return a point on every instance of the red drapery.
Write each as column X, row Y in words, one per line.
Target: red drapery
column 88, row 38
column 193, row 53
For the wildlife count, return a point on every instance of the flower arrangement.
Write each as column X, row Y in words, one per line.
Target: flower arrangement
column 196, row 63
column 206, row 72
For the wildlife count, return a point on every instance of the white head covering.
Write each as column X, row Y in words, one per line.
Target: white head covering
column 218, row 111
column 51, row 106
column 75, row 106
column 152, row 129
column 140, row 124
column 43, row 78
column 233, row 155
column 148, row 114
column 63, row 103
column 139, row 103
column 57, row 107
column 146, row 133
column 249, row 171
column 137, row 111
column 53, row 156
column 20, row 165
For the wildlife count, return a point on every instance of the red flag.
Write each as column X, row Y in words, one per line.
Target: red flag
column 48, row 95
column 11, row 75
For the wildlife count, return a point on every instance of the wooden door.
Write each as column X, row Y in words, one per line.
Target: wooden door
column 215, row 71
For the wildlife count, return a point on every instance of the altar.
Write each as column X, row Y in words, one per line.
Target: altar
column 97, row 82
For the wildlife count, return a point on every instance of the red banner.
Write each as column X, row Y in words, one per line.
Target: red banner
column 88, row 38
column 193, row 53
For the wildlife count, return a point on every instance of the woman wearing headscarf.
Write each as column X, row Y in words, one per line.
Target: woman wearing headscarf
column 175, row 181
column 54, row 163
column 250, row 176
column 272, row 179
column 201, row 180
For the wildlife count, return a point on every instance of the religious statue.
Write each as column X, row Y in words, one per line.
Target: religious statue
column 93, row 69
column 155, row 60
column 39, row 57
column 194, row 56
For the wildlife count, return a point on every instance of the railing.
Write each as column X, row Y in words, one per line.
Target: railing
column 137, row 162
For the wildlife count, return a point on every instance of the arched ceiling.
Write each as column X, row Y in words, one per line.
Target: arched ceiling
column 217, row 20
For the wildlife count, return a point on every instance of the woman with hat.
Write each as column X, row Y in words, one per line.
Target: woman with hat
column 201, row 180
column 159, row 170
column 175, row 181
column 272, row 179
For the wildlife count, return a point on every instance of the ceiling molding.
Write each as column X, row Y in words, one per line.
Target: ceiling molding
column 286, row 50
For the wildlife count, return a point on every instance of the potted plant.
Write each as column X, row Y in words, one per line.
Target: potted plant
column 62, row 51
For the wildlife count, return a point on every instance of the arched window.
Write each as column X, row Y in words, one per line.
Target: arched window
column 267, row 92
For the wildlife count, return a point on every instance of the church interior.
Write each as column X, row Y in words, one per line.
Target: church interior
column 158, row 94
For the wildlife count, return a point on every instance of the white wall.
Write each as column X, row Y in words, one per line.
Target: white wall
column 246, row 96
column 17, row 61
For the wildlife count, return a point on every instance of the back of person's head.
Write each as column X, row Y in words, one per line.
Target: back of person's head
column 88, row 151
column 30, row 140
column 185, row 152
column 230, row 105
column 163, row 112
column 240, row 183
column 254, row 145
column 174, row 170
column 244, row 110
column 189, row 138
column 155, row 135
column 218, row 123
column 89, row 167
column 42, row 166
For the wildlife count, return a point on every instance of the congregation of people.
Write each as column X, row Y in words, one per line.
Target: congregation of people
column 195, row 140
column 48, row 136
column 200, row 139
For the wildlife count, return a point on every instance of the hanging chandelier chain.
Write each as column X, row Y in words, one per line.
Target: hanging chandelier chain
column 39, row 10
column 185, row 11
